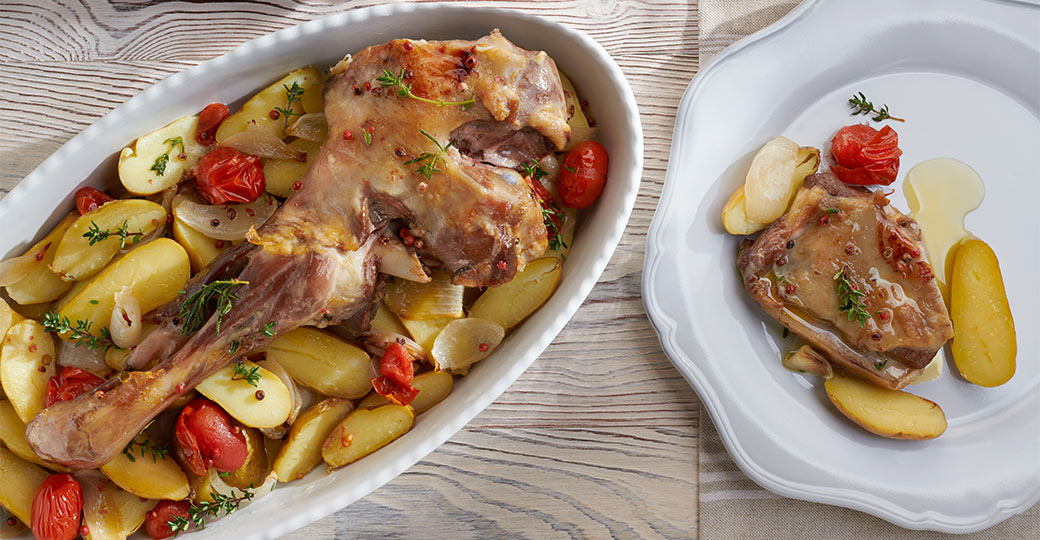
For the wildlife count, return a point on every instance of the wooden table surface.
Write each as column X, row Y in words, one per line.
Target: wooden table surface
column 599, row 438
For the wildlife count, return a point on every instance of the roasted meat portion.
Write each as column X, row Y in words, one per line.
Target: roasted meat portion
column 390, row 161
column 849, row 273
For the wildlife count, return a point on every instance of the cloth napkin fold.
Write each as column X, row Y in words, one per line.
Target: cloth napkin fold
column 732, row 506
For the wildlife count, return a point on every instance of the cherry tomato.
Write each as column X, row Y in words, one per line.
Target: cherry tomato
column 865, row 155
column 88, row 198
column 399, row 394
column 582, row 174
column 205, row 438
column 56, row 508
column 396, row 365
column 209, row 120
column 157, row 520
column 69, row 383
column 227, row 175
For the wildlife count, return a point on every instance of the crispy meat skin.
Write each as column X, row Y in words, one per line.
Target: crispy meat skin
column 316, row 261
column 832, row 226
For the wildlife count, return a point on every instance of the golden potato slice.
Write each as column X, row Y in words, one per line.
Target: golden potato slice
column 26, row 364
column 21, row 481
column 42, row 285
column 434, row 300
column 147, row 476
column 433, row 387
column 281, row 174
column 323, row 362
column 76, row 259
column 512, row 302
column 110, row 512
column 265, row 405
column 256, row 113
column 424, row 331
column 888, row 413
column 155, row 273
column 364, row 431
column 302, row 449
column 575, row 115
column 806, row 360
column 200, row 248
column 734, row 216
column 12, row 433
column 984, row 344
column 8, row 318
column 465, row 342
column 159, row 159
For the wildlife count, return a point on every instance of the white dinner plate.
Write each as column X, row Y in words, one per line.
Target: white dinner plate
column 89, row 159
column 966, row 76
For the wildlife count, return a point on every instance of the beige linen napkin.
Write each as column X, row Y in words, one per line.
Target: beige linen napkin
column 732, row 506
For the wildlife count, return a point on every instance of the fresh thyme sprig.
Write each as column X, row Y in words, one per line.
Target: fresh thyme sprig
column 197, row 513
column 96, row 234
column 156, row 449
column 849, row 299
column 268, row 329
column 429, row 161
column 880, row 365
column 533, row 170
column 292, row 95
column 232, row 347
column 80, row 333
column 553, row 218
column 160, row 162
column 860, row 105
column 218, row 294
column 388, row 79
column 242, row 373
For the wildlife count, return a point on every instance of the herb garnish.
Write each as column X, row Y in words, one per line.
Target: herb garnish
column 860, row 105
column 849, row 299
column 268, row 329
column 571, row 169
column 251, row 376
column 292, row 95
column 405, row 90
column 428, row 160
column 553, row 217
column 533, row 170
column 160, row 162
column 880, row 365
column 80, row 333
column 366, row 136
column 156, row 449
column 218, row 503
column 232, row 347
column 95, row 234
column 195, row 309
column 832, row 210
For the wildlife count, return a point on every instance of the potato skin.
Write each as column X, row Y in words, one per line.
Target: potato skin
column 21, row 481
column 302, row 449
column 892, row 414
column 510, row 303
column 984, row 344
column 364, row 431
column 27, row 363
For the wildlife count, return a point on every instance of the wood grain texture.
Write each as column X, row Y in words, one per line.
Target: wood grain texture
column 598, row 438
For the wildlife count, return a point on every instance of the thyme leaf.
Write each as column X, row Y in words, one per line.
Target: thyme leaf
column 251, row 376
column 160, row 162
column 292, row 95
column 218, row 294
column 81, row 333
column 396, row 82
column 429, row 161
column 860, row 105
column 96, row 234
column 217, row 505
column 849, row 299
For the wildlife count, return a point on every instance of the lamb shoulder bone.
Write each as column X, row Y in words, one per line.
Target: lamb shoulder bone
column 316, row 261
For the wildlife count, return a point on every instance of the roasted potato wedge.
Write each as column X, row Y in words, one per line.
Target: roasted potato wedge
column 465, row 342
column 26, row 365
column 281, row 174
column 734, row 217
column 302, row 449
column 323, row 362
column 159, row 159
column 155, row 272
column 41, row 284
column 984, row 344
column 433, row 387
column 364, row 431
column 158, row 478
column 437, row 299
column 243, row 400
column 255, row 114
column 8, row 318
column 21, row 481
column 888, row 413
column 12, row 433
column 77, row 259
column 109, row 512
column 512, row 302
column 200, row 248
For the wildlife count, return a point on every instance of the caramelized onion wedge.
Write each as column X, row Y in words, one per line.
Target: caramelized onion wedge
column 262, row 144
column 15, row 269
column 125, row 322
column 223, row 221
column 310, row 127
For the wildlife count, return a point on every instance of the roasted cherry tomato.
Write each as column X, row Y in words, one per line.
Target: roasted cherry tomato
column 157, row 520
column 88, row 198
column 56, row 508
column 582, row 174
column 206, row 438
column 69, row 383
column 396, row 365
column 865, row 155
column 227, row 175
column 399, row 394
column 209, row 120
